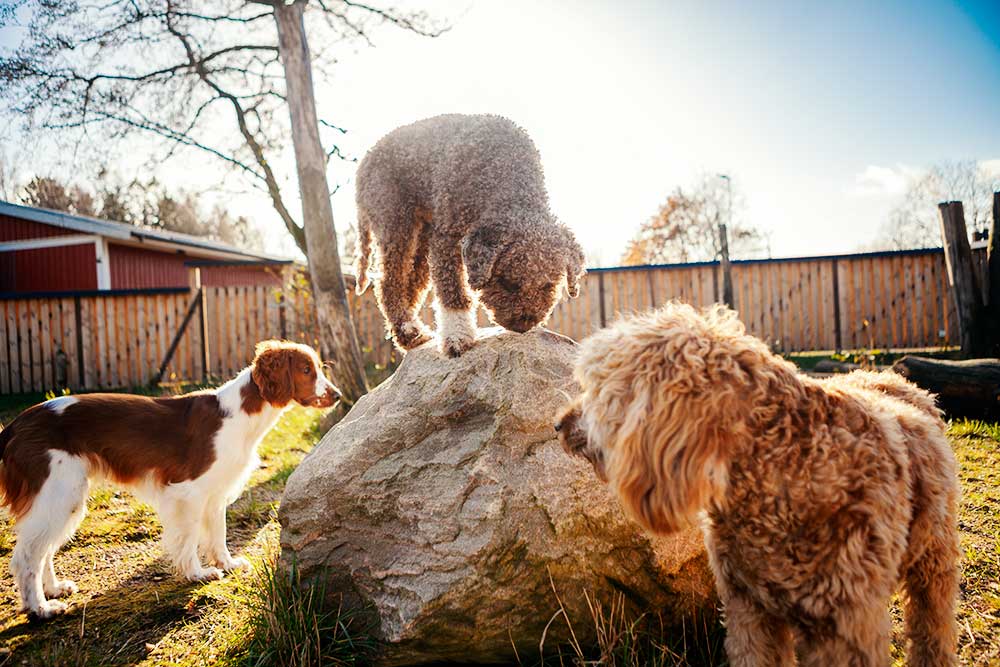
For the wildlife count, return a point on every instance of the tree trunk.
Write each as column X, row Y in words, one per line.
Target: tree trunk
column 338, row 338
column 968, row 388
column 993, row 282
column 962, row 279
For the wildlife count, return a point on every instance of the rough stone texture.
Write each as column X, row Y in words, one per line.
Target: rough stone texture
column 443, row 503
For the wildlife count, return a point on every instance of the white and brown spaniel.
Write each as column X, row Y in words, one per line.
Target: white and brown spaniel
column 188, row 457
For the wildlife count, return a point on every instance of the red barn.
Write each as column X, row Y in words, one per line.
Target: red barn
column 51, row 251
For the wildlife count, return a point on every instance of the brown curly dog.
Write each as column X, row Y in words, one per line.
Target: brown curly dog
column 817, row 496
column 459, row 201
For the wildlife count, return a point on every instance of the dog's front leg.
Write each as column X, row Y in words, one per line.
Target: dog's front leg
column 181, row 532
column 215, row 536
column 755, row 638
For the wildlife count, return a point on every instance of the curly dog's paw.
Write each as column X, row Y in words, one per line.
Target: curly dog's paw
column 410, row 335
column 454, row 346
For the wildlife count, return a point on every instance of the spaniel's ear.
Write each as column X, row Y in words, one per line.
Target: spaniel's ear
column 272, row 372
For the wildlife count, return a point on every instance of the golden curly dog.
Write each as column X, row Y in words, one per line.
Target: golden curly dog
column 819, row 496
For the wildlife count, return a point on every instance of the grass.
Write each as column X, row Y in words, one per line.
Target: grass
column 132, row 611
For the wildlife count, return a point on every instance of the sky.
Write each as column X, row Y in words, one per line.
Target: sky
column 820, row 112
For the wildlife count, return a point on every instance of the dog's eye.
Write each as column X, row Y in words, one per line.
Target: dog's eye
column 308, row 370
column 509, row 285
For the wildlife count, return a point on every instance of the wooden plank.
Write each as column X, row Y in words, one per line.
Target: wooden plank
column 88, row 345
column 169, row 330
column 24, row 353
column 218, row 338
column 796, row 338
column 34, row 327
column 142, row 340
column 929, row 328
column 131, row 341
column 13, row 350
column 67, row 314
column 46, row 347
column 105, row 317
column 5, row 349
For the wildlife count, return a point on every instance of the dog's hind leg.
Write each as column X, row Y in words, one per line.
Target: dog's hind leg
column 54, row 515
column 755, row 638
column 931, row 587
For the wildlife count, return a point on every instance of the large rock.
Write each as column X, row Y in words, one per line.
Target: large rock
column 444, row 506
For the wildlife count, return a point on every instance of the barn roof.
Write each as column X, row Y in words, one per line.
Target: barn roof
column 130, row 233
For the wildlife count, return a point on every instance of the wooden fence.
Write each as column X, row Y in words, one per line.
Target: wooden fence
column 101, row 340
column 880, row 300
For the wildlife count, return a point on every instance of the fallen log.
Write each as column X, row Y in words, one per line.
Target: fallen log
column 964, row 388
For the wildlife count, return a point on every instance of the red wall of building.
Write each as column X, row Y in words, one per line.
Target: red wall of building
column 68, row 268
column 137, row 268
column 49, row 269
column 16, row 229
column 44, row 269
column 219, row 276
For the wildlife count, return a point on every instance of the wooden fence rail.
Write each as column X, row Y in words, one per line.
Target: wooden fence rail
column 103, row 340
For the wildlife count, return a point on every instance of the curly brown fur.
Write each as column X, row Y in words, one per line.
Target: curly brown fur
column 817, row 496
column 459, row 201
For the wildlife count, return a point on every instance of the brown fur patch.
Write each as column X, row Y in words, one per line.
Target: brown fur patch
column 127, row 436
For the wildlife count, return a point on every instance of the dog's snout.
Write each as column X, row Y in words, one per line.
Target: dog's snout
column 558, row 426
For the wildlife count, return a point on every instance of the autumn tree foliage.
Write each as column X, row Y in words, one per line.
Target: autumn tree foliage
column 686, row 228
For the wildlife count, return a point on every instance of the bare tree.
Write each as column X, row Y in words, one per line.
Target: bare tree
column 143, row 204
column 685, row 228
column 916, row 221
column 227, row 78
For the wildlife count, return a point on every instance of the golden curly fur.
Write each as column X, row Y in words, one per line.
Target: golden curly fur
column 817, row 496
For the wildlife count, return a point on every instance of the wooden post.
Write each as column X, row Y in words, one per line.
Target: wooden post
column 838, row 336
column 962, row 278
column 194, row 282
column 78, row 323
column 727, row 274
column 993, row 282
column 600, row 295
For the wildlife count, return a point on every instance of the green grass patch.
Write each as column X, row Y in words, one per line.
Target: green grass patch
column 132, row 610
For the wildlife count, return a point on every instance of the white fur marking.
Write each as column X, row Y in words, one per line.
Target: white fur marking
column 60, row 403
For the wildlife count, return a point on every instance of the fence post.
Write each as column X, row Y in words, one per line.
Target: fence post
column 78, row 319
column 194, row 282
column 993, row 282
column 600, row 295
column 727, row 274
column 837, row 335
column 962, row 277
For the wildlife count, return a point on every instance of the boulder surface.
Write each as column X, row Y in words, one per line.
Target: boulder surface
column 443, row 507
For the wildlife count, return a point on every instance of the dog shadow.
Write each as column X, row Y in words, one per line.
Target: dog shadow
column 118, row 626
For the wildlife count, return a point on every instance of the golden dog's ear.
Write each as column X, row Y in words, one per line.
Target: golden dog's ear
column 670, row 462
column 272, row 372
